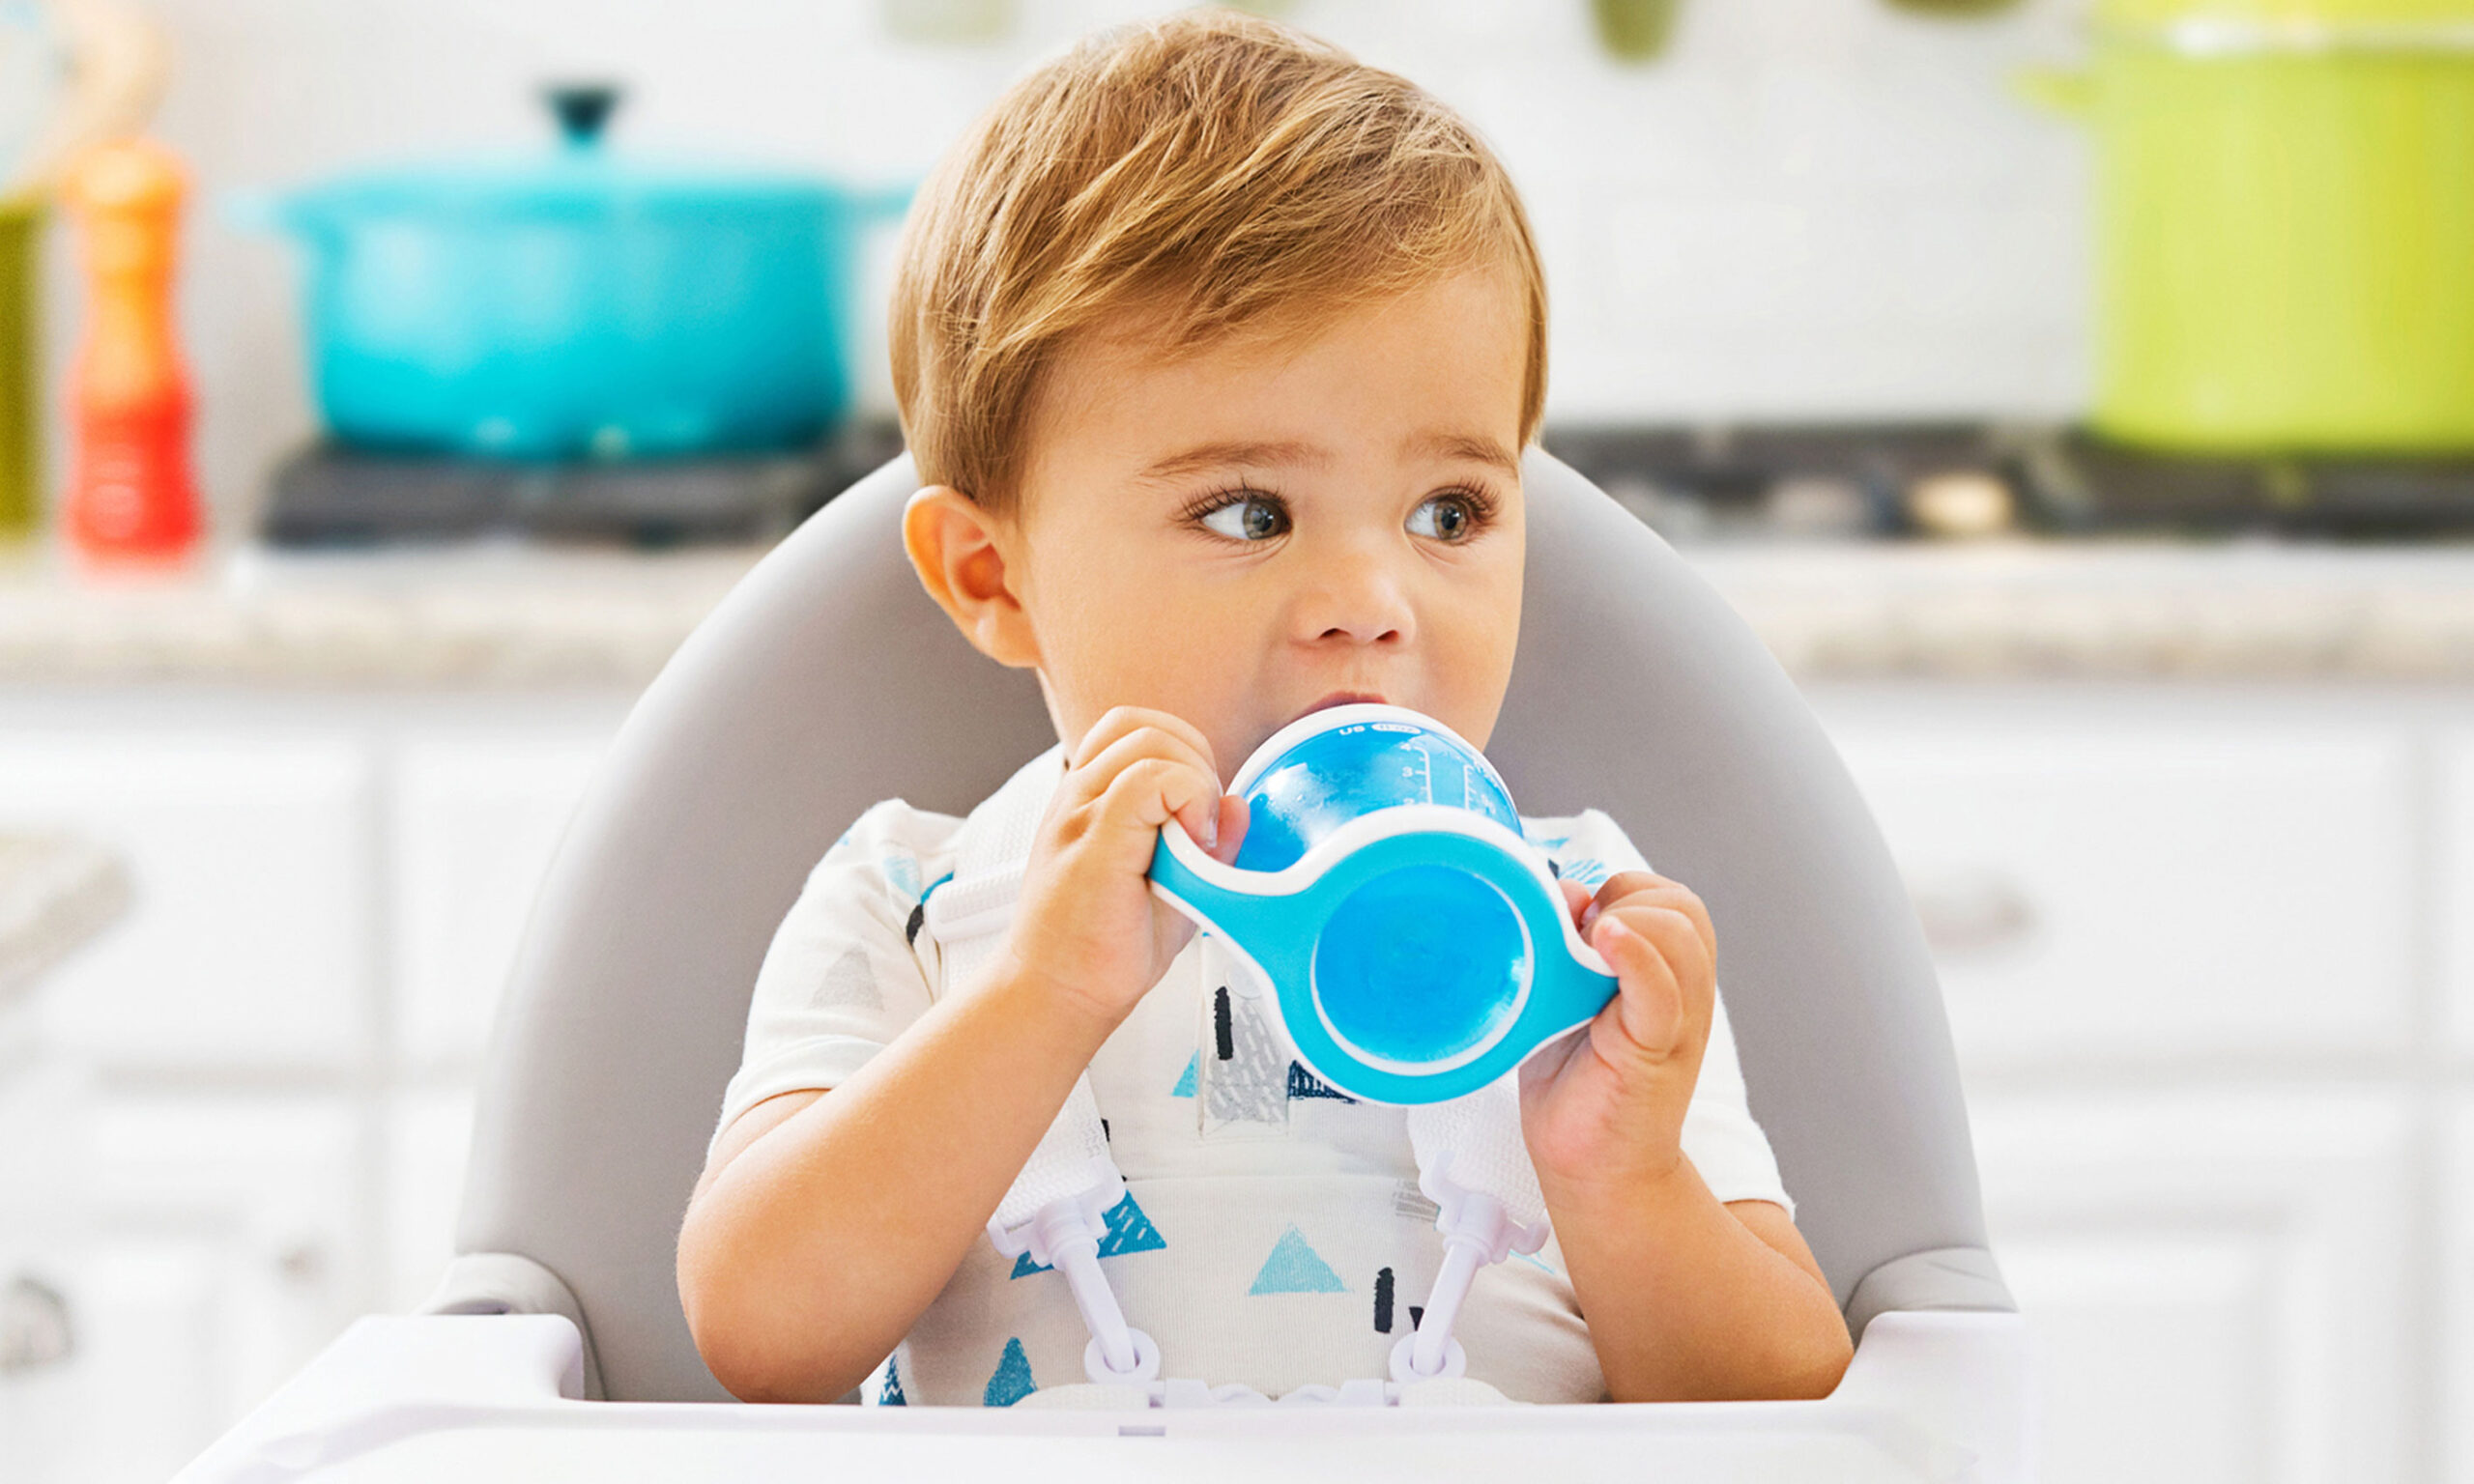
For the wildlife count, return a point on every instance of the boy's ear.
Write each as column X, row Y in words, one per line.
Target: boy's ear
column 959, row 551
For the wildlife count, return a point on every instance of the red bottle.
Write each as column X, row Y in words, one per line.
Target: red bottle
column 131, row 495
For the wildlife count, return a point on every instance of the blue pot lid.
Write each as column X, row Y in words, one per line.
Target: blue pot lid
column 582, row 177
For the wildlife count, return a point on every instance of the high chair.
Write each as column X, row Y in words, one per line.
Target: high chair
column 828, row 680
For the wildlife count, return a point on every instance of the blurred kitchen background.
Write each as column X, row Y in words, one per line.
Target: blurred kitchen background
column 2076, row 394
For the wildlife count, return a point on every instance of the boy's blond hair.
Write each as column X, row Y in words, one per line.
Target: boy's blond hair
column 1191, row 179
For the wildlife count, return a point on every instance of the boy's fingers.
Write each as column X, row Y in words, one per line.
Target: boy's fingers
column 1577, row 900
column 1650, row 1006
column 1120, row 721
column 1615, row 889
column 1093, row 780
column 1669, row 935
column 1234, row 817
column 1150, row 791
column 1103, row 766
column 1639, row 888
column 1114, row 723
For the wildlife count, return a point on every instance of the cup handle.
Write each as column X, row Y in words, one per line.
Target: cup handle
column 1177, row 877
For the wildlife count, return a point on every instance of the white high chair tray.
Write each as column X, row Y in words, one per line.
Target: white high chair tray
column 482, row 1398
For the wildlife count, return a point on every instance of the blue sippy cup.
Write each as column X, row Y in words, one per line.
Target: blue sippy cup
column 1416, row 948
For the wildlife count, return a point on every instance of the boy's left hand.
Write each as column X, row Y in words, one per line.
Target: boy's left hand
column 1604, row 1106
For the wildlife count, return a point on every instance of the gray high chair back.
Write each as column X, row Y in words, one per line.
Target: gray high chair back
column 828, row 680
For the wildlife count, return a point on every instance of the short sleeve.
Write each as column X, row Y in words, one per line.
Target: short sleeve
column 842, row 978
column 1720, row 1136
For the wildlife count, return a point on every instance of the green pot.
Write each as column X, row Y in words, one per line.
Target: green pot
column 2284, row 218
column 20, row 369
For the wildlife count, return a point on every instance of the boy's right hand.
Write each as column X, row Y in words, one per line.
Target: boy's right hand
column 1088, row 927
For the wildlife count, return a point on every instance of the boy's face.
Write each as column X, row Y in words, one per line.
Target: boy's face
column 1242, row 535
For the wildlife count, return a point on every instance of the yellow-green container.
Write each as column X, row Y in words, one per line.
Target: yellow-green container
column 20, row 369
column 2285, row 221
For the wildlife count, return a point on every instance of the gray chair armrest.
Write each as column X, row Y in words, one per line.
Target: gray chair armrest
column 505, row 1283
column 1944, row 1279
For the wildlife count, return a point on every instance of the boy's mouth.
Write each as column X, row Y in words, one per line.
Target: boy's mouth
column 1338, row 699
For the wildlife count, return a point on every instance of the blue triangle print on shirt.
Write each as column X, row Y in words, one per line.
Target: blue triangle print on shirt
column 1305, row 1084
column 1295, row 1268
column 1185, row 1087
column 891, row 1395
column 1013, row 1378
column 1128, row 1231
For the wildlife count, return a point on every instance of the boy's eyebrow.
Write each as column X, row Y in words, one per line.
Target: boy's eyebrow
column 1261, row 451
column 1221, row 455
column 1461, row 445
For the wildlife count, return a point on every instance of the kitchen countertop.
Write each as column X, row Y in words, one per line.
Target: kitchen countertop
column 510, row 616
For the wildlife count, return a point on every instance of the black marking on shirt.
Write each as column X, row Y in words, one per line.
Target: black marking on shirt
column 918, row 920
column 1224, row 1034
column 1557, row 871
column 1417, row 1313
column 1305, row 1084
column 1105, row 1136
column 1383, row 1301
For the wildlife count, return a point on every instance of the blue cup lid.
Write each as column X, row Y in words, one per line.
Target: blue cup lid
column 1331, row 766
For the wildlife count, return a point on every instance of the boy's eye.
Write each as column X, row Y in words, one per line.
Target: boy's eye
column 1249, row 518
column 1449, row 517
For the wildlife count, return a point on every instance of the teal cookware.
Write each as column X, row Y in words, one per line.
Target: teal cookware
column 580, row 303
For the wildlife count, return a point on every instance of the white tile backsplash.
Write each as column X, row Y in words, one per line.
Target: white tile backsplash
column 1806, row 209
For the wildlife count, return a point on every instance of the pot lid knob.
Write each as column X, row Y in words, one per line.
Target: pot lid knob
column 583, row 110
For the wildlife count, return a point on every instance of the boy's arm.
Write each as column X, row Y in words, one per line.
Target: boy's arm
column 1691, row 1299
column 827, row 1222
column 817, row 1236
column 1686, row 1299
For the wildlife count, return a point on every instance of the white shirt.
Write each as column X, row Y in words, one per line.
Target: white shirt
column 1272, row 1233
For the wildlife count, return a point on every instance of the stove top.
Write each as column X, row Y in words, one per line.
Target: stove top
column 1844, row 482
column 1872, row 480
column 330, row 495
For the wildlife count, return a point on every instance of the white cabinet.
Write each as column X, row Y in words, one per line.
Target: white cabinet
column 249, row 851
column 281, row 1037
column 2454, row 896
column 2185, row 940
column 2135, row 889
column 277, row 1183
column 475, row 820
column 2219, row 1278
column 221, row 1245
column 138, row 1397
column 2453, row 1381
column 43, row 1232
column 429, row 1136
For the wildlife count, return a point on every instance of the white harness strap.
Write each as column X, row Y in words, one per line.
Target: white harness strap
column 1471, row 1161
column 1056, row 1208
column 1472, row 1164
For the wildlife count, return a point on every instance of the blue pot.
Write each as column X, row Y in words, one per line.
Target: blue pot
column 580, row 304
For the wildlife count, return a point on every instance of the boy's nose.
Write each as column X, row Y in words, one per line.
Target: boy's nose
column 1355, row 597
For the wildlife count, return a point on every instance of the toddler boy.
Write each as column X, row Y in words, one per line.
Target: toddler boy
column 1217, row 352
